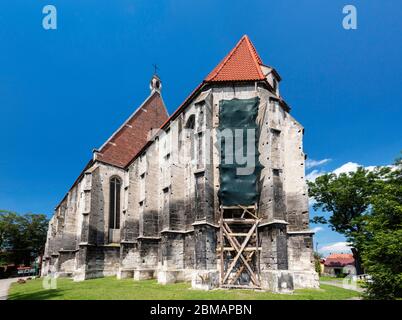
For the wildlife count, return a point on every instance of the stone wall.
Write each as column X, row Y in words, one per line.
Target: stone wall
column 170, row 205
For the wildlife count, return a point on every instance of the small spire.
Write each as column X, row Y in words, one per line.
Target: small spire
column 155, row 84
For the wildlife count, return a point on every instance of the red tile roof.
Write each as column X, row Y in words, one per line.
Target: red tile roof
column 131, row 137
column 339, row 260
column 241, row 64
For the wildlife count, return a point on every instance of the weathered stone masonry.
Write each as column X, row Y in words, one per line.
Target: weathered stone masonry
column 169, row 208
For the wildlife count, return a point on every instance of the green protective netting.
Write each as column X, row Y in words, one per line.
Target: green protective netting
column 237, row 116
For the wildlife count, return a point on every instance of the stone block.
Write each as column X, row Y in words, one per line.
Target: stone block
column 125, row 274
column 280, row 281
column 144, row 274
column 205, row 279
column 169, row 276
column 306, row 279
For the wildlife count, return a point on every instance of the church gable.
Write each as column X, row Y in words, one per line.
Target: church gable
column 131, row 137
column 241, row 64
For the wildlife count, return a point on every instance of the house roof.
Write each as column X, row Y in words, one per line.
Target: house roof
column 241, row 64
column 132, row 136
column 339, row 260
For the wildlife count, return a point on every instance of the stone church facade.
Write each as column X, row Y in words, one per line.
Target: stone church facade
column 149, row 205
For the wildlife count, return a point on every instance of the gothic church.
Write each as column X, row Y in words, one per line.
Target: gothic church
column 156, row 200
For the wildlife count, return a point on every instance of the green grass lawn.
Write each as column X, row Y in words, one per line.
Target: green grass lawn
column 112, row 289
column 360, row 283
column 328, row 278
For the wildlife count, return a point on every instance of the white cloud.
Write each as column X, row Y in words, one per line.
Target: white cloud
column 347, row 167
column 314, row 175
column 338, row 247
column 371, row 168
column 352, row 167
column 317, row 229
column 311, row 163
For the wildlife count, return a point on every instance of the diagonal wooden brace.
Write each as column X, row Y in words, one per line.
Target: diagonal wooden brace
column 240, row 254
column 241, row 269
column 236, row 245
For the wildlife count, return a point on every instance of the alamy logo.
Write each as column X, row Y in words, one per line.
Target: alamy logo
column 49, row 21
column 50, row 281
column 350, row 281
column 236, row 147
column 350, row 20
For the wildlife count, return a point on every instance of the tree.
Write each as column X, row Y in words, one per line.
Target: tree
column 347, row 197
column 382, row 240
column 317, row 263
column 366, row 207
column 22, row 237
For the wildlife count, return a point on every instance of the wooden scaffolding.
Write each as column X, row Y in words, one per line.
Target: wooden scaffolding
column 239, row 247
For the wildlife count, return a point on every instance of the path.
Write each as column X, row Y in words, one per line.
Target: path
column 340, row 285
column 5, row 285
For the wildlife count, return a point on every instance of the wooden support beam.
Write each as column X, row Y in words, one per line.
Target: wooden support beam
column 235, row 244
column 240, row 286
column 237, row 248
column 246, row 210
column 239, row 254
column 237, row 207
column 222, row 245
column 241, row 269
column 247, row 250
column 233, row 249
column 240, row 221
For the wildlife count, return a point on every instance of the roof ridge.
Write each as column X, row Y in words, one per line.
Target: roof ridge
column 252, row 47
column 136, row 111
column 255, row 55
column 242, row 63
column 227, row 58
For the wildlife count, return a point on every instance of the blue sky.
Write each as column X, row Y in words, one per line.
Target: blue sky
column 64, row 91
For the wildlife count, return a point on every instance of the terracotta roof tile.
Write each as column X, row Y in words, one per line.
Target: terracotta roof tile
column 339, row 260
column 131, row 137
column 241, row 64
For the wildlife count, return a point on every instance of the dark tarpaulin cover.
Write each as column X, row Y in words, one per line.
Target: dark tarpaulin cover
column 235, row 189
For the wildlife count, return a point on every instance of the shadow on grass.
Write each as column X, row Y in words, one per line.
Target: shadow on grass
column 110, row 288
column 39, row 295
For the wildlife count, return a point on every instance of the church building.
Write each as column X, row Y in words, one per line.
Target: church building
column 214, row 194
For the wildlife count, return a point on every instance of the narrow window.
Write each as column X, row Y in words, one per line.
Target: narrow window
column 190, row 124
column 142, row 187
column 200, row 151
column 114, row 210
column 165, row 208
column 275, row 140
column 199, row 195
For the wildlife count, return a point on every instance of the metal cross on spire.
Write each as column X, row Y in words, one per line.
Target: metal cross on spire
column 156, row 68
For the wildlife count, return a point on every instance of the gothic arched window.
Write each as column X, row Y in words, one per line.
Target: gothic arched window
column 190, row 125
column 114, row 209
column 190, row 122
